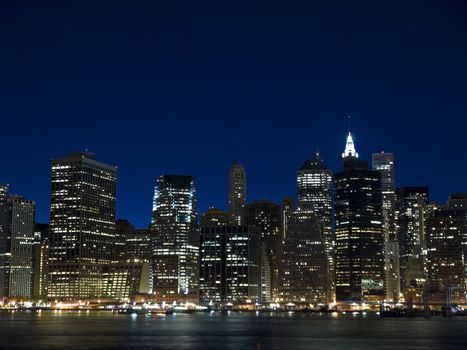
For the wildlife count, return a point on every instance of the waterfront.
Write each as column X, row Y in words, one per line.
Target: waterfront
column 104, row 330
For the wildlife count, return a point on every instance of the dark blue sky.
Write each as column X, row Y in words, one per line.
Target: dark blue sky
column 185, row 88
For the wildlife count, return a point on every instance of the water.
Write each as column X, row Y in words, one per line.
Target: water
column 103, row 330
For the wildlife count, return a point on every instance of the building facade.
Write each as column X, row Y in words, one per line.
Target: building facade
column 359, row 230
column 304, row 272
column 412, row 204
column 314, row 190
column 266, row 217
column 230, row 261
column 384, row 163
column 17, row 216
column 82, row 226
column 445, row 232
column 175, row 233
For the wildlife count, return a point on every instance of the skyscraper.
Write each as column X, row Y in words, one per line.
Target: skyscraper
column 445, row 232
column 230, row 264
column 359, row 229
column 175, row 239
column 266, row 217
column 411, row 215
column 17, row 216
column 304, row 271
column 82, row 226
column 314, row 189
column 384, row 163
column 237, row 192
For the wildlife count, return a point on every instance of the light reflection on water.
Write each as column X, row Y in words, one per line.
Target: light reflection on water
column 96, row 330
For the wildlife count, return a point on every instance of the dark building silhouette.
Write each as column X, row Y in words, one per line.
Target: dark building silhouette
column 214, row 216
column 236, row 192
column 359, row 229
column 229, row 264
column 304, row 262
column 266, row 217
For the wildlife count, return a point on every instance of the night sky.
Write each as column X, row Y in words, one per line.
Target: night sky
column 186, row 89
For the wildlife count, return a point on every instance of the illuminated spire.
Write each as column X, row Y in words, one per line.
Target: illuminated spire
column 350, row 148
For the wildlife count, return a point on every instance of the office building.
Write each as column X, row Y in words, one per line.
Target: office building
column 175, row 233
column 82, row 226
column 266, row 217
column 17, row 216
column 384, row 163
column 359, row 230
column 445, row 232
column 304, row 272
column 314, row 190
column 230, row 261
column 412, row 206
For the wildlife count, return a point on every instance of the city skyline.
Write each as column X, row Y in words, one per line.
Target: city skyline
column 222, row 203
column 160, row 89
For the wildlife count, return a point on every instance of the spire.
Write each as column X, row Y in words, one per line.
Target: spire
column 350, row 148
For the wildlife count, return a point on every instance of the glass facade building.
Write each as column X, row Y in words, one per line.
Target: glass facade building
column 175, row 235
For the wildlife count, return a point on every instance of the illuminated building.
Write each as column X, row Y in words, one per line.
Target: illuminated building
column 237, row 192
column 175, row 234
column 288, row 207
column 40, row 258
column 126, row 278
column 82, row 226
column 230, row 264
column 266, row 217
column 384, row 163
column 137, row 242
column 304, row 272
column 458, row 201
column 412, row 205
column 359, row 230
column 314, row 189
column 445, row 233
column 17, row 216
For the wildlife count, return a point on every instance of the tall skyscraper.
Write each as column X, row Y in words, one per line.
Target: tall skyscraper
column 384, row 163
column 359, row 229
column 411, row 215
column 175, row 239
column 82, row 226
column 230, row 264
column 237, row 192
column 445, row 232
column 266, row 217
column 304, row 271
column 314, row 189
column 17, row 216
